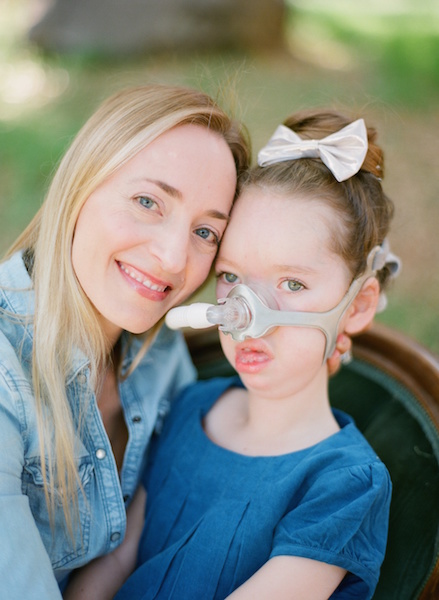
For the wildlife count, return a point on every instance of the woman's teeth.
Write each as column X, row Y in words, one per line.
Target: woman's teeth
column 146, row 282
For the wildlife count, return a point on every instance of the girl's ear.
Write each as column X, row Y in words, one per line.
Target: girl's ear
column 362, row 310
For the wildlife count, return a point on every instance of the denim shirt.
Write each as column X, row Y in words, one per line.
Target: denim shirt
column 34, row 558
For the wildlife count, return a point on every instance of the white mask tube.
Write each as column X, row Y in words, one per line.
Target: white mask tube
column 231, row 315
column 193, row 315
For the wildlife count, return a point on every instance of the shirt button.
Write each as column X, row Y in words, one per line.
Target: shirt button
column 115, row 536
column 137, row 419
column 82, row 378
column 100, row 453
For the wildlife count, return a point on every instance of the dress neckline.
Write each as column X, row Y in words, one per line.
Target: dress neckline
column 233, row 454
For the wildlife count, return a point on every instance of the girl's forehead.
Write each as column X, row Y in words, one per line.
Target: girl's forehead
column 273, row 228
column 273, row 235
column 265, row 207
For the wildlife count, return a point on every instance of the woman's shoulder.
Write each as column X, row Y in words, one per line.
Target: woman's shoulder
column 16, row 291
column 13, row 272
column 17, row 407
column 15, row 358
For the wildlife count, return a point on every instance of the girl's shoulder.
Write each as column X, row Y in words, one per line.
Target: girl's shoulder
column 192, row 404
column 356, row 448
column 203, row 394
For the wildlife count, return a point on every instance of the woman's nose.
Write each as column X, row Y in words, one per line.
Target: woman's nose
column 171, row 250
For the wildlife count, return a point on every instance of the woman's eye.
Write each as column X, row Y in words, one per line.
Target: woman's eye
column 146, row 202
column 292, row 285
column 208, row 235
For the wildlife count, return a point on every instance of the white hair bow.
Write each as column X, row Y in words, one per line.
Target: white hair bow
column 343, row 152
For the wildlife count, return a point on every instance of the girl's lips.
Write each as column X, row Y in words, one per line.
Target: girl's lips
column 146, row 285
column 252, row 357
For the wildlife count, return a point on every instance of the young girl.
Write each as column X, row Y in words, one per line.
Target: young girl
column 256, row 487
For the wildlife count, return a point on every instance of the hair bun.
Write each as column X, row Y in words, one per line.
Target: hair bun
column 317, row 124
column 374, row 161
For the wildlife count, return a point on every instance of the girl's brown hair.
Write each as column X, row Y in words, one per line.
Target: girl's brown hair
column 364, row 209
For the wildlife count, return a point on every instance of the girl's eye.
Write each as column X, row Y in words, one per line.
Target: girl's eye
column 292, row 285
column 147, row 202
column 208, row 235
column 228, row 277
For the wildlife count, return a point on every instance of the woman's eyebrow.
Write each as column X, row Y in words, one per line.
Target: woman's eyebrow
column 216, row 214
column 175, row 193
column 169, row 189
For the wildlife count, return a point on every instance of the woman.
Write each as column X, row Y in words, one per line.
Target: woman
column 129, row 228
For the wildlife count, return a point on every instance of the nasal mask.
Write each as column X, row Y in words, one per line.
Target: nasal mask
column 245, row 314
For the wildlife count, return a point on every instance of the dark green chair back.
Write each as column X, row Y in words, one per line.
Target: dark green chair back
column 391, row 389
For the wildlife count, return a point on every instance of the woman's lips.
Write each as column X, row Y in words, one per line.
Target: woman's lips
column 146, row 285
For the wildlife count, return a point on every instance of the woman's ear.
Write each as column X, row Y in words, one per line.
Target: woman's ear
column 362, row 310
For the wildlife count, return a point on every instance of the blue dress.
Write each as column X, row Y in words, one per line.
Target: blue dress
column 214, row 517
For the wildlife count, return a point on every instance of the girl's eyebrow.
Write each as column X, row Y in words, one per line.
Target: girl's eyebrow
column 227, row 263
column 230, row 263
column 299, row 268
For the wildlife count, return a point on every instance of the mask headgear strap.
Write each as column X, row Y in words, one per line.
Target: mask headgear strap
column 265, row 318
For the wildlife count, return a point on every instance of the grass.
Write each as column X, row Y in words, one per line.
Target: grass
column 397, row 50
column 381, row 64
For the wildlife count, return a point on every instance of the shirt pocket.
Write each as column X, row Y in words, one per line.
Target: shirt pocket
column 61, row 546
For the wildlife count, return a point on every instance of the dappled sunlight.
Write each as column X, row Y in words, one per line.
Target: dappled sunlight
column 365, row 15
column 327, row 54
column 26, row 82
column 313, row 41
column 26, row 85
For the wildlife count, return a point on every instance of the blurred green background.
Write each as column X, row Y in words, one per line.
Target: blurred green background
column 377, row 59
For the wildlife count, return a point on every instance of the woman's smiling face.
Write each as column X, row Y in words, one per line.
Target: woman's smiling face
column 282, row 246
column 145, row 239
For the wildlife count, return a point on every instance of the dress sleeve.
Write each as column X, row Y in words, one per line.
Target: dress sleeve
column 341, row 519
column 25, row 567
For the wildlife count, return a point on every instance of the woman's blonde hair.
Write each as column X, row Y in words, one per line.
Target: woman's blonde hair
column 64, row 318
